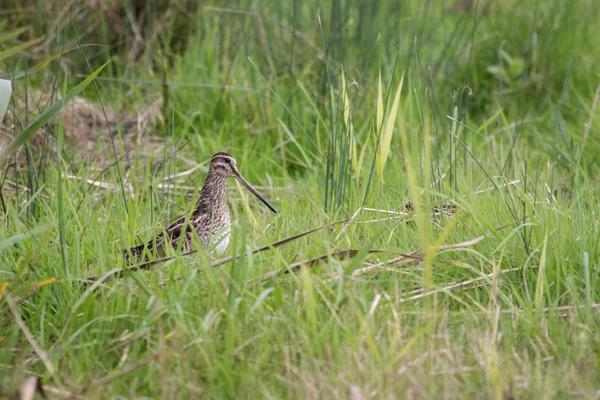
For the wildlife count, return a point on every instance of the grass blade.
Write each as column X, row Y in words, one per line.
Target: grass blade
column 388, row 130
column 338, row 255
column 12, row 240
column 379, row 103
column 17, row 49
column 5, row 37
column 44, row 117
column 151, row 263
column 539, row 288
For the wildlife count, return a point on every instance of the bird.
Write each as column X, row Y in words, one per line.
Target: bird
column 447, row 209
column 209, row 219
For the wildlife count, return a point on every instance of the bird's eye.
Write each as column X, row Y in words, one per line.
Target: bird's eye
column 227, row 160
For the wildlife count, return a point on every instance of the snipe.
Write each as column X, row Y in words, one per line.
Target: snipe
column 210, row 218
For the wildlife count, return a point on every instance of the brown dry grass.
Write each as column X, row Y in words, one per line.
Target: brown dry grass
column 87, row 128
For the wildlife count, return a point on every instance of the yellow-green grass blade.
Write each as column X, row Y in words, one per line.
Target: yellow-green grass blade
column 45, row 116
column 388, row 131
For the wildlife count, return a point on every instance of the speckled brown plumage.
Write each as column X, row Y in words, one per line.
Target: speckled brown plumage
column 210, row 218
column 447, row 209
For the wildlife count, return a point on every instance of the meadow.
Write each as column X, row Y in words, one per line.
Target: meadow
column 434, row 165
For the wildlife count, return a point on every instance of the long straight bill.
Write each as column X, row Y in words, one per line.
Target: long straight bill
column 254, row 192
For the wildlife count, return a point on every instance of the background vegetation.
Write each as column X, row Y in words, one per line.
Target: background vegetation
column 336, row 110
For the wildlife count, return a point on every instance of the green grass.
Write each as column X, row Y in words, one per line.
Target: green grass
column 505, row 100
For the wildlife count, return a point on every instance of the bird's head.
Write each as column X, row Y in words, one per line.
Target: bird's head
column 225, row 165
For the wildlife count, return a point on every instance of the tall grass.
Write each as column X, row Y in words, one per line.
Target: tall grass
column 335, row 110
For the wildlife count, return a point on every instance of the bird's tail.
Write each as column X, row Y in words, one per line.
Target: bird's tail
column 133, row 254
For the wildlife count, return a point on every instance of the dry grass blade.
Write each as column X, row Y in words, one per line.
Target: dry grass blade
column 30, row 386
column 92, row 182
column 150, row 264
column 348, row 221
column 588, row 125
column 349, row 126
column 360, row 210
column 21, row 299
column 185, row 173
column 416, row 256
column 455, row 286
column 278, row 243
column 34, row 344
column 338, row 255
column 390, row 212
column 562, row 310
column 462, row 245
column 511, row 183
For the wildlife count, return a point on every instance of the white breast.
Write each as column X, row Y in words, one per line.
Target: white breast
column 221, row 242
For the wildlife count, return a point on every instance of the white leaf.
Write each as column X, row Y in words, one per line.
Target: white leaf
column 5, row 92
